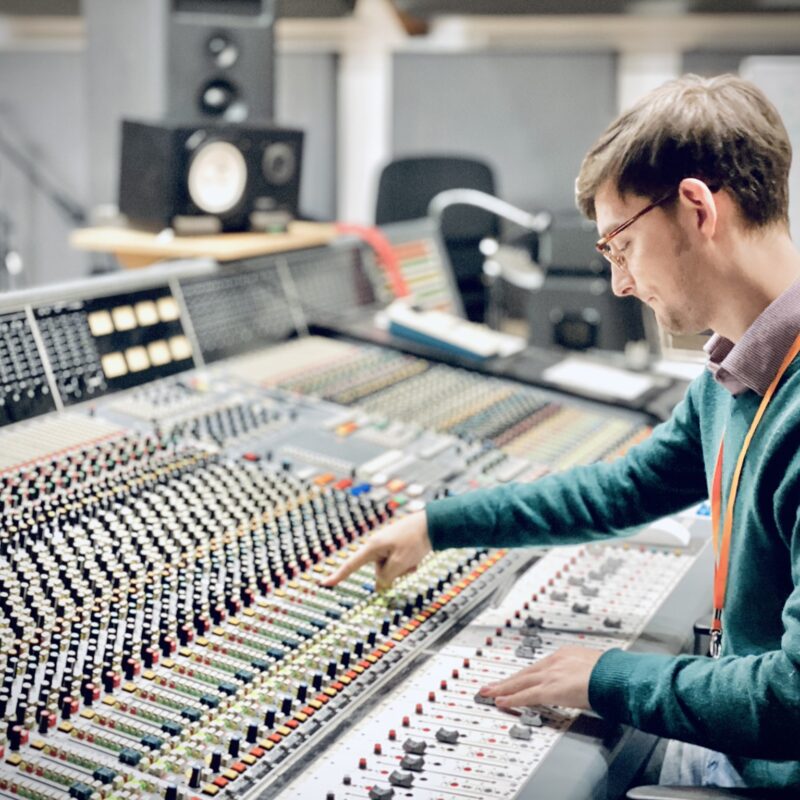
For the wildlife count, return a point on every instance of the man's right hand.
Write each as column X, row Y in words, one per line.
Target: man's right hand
column 396, row 551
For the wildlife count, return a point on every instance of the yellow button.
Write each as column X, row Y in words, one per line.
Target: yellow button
column 66, row 727
column 38, row 744
column 87, row 713
column 249, row 760
column 210, row 789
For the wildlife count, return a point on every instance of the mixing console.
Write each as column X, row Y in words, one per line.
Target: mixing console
column 521, row 421
column 113, row 342
column 24, row 390
column 237, row 311
column 163, row 632
column 435, row 737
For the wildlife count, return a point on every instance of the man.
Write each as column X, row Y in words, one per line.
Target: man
column 689, row 190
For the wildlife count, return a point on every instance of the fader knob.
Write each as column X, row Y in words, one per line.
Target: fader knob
column 531, row 718
column 412, row 762
column 415, row 746
column 447, row 736
column 520, row 732
column 401, row 778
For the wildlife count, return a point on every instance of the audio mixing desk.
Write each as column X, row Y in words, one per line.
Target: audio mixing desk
column 175, row 479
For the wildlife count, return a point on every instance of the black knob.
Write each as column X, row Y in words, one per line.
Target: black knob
column 195, row 776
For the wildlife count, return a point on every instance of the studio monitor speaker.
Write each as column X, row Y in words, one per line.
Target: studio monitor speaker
column 209, row 178
column 220, row 60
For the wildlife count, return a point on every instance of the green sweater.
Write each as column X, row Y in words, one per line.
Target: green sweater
column 747, row 703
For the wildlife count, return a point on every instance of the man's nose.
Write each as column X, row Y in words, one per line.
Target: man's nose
column 621, row 282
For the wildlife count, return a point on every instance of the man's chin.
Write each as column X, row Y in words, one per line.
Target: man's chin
column 676, row 327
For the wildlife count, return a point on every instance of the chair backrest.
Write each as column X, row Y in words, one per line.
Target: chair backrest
column 407, row 185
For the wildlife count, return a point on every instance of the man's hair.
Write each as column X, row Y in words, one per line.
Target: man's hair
column 722, row 130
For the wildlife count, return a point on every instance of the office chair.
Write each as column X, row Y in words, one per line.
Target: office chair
column 405, row 188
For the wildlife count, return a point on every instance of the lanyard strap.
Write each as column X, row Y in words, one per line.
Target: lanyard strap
column 722, row 547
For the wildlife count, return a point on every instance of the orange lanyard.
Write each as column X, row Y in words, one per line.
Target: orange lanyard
column 722, row 548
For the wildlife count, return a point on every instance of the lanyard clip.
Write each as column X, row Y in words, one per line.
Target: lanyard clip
column 715, row 646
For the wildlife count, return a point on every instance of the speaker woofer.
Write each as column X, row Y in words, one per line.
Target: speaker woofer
column 279, row 163
column 217, row 97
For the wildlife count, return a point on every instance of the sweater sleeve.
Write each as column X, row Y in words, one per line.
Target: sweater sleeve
column 661, row 475
column 746, row 705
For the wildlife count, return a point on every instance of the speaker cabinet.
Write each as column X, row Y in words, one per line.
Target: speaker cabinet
column 209, row 178
column 221, row 60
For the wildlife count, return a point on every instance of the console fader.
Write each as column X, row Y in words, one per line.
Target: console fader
column 163, row 633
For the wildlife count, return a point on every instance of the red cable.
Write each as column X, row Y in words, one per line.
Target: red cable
column 384, row 252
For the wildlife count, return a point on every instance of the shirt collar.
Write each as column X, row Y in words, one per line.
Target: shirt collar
column 751, row 363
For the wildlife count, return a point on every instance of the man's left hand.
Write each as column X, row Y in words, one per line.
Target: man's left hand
column 561, row 679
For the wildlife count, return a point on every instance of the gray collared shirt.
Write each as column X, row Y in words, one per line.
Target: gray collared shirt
column 751, row 363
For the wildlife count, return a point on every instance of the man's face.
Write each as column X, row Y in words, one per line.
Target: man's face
column 663, row 266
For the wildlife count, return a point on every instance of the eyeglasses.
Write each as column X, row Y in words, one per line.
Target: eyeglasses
column 618, row 259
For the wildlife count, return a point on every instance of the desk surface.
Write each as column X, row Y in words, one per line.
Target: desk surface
column 138, row 248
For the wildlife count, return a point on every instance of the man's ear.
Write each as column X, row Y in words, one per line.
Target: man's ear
column 695, row 197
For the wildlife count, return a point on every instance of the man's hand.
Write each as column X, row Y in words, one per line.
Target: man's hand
column 561, row 679
column 396, row 551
